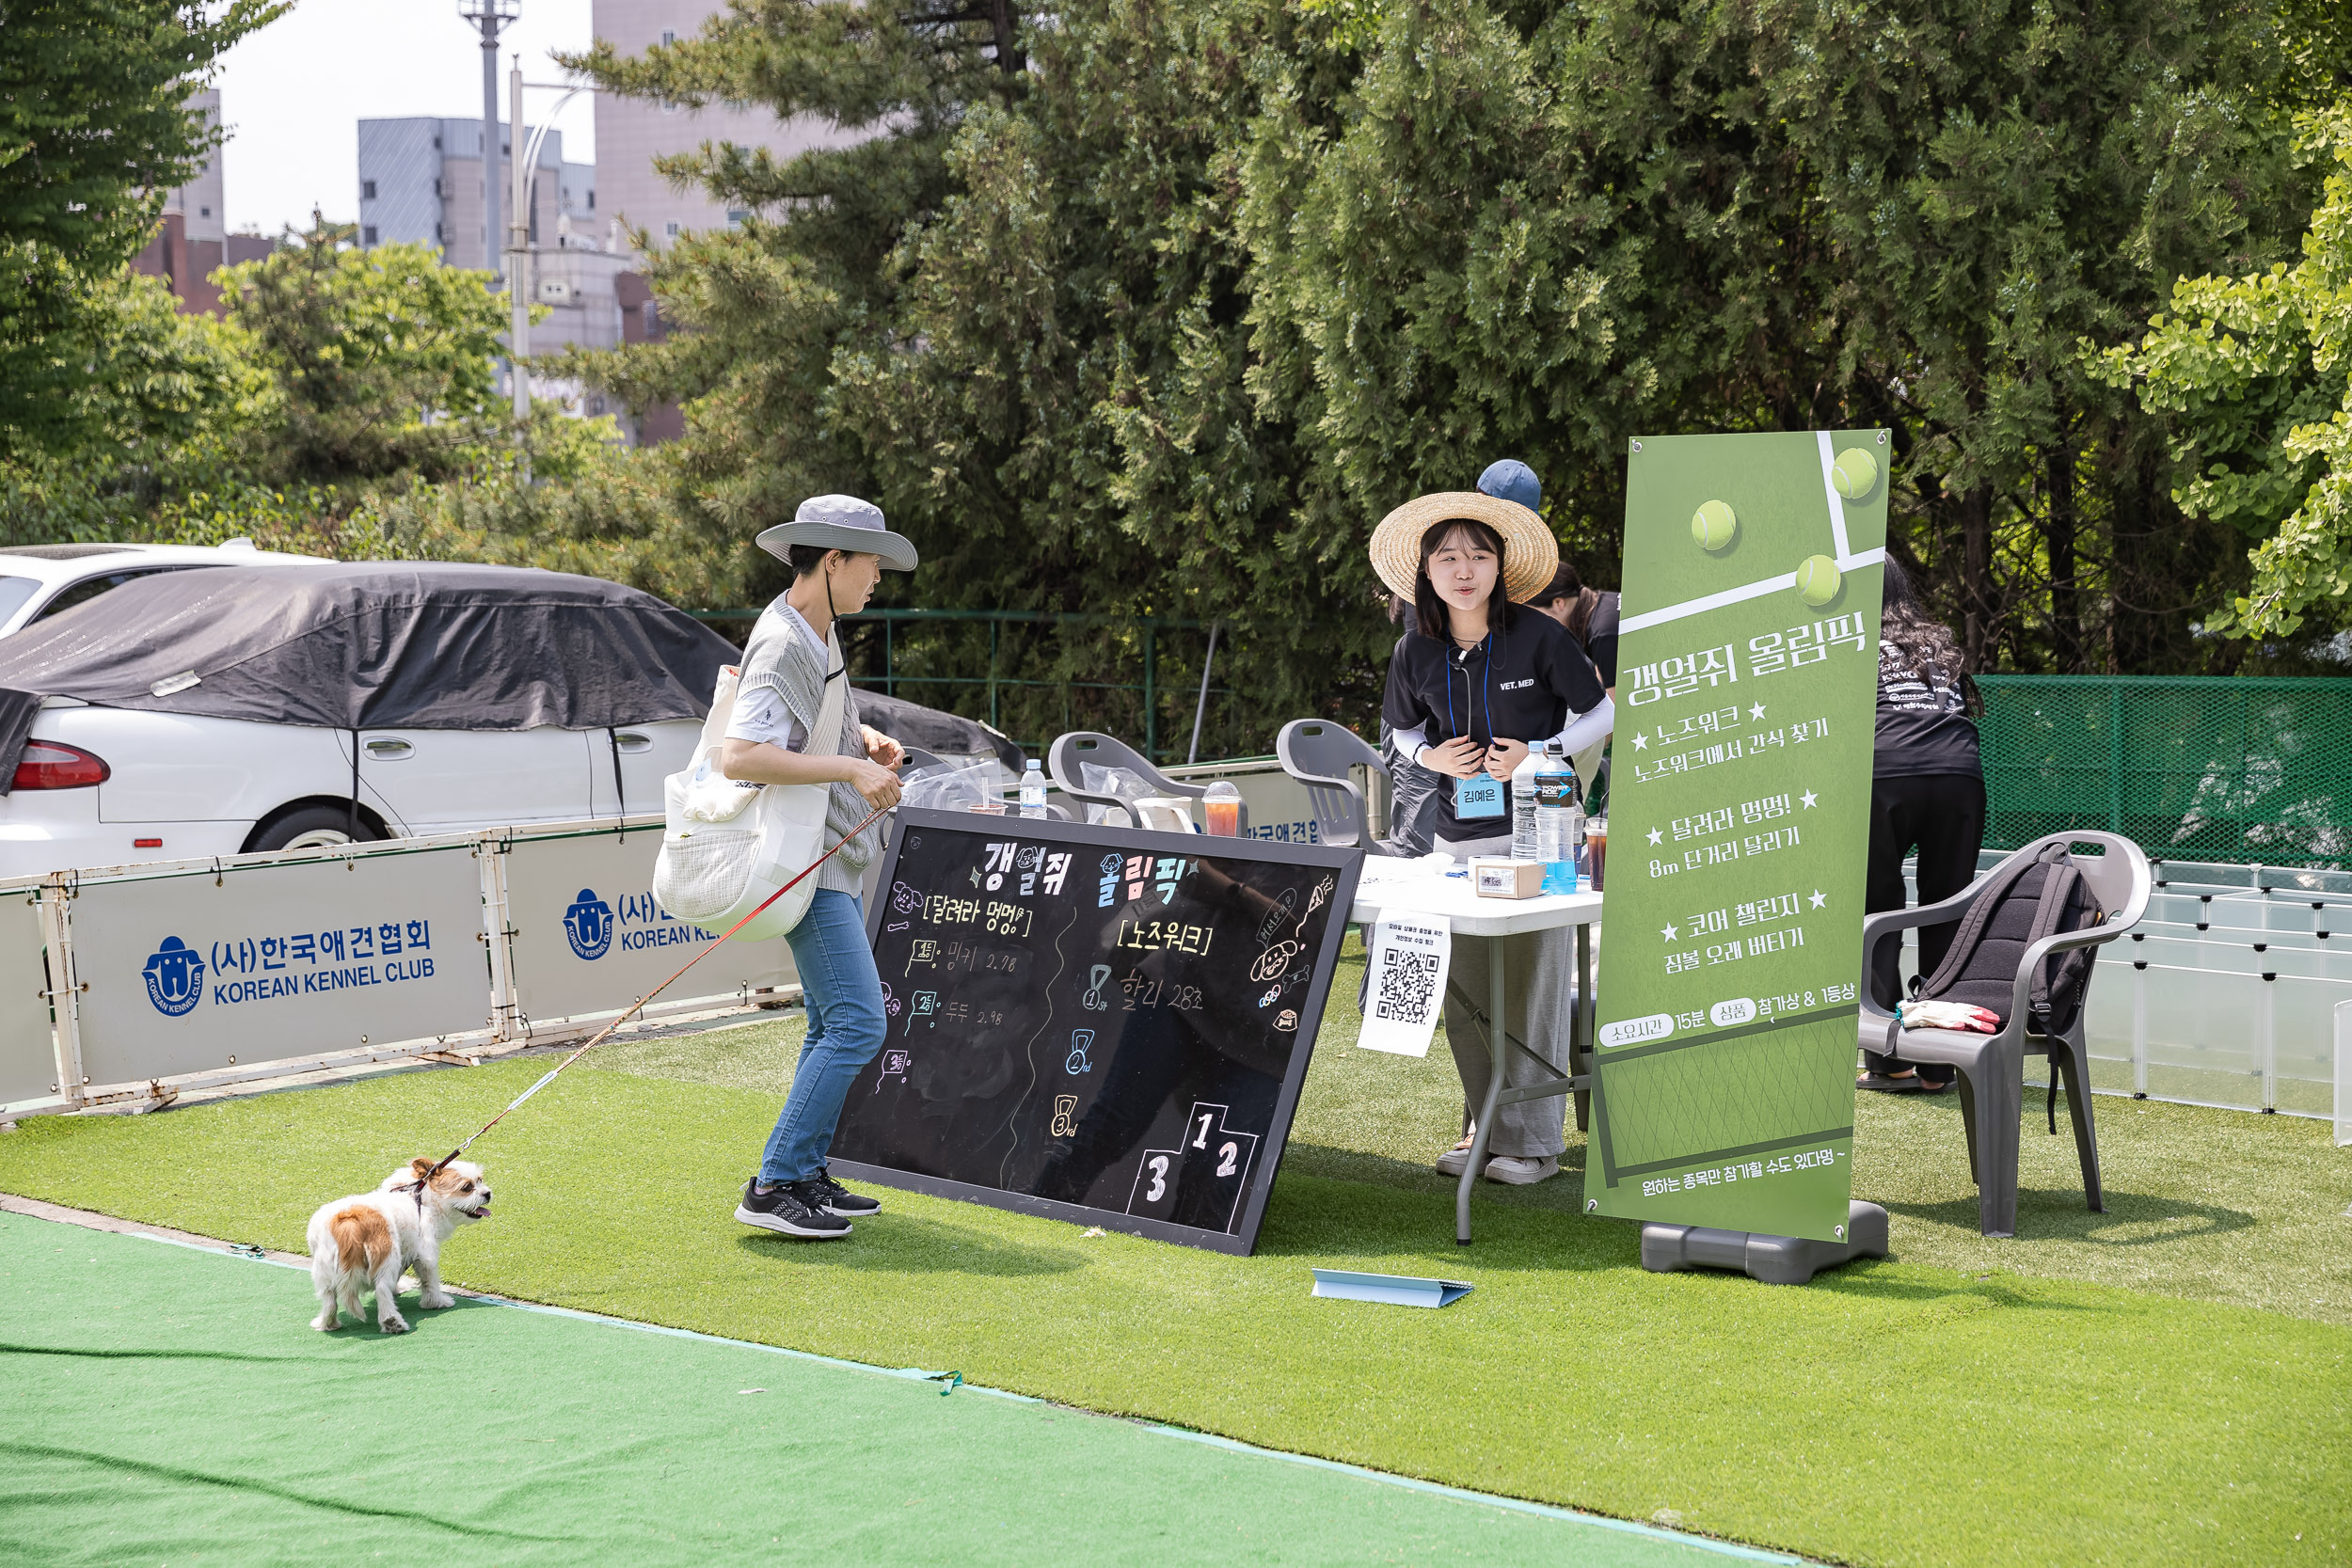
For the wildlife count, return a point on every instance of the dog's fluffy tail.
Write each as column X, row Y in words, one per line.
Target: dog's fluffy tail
column 362, row 1238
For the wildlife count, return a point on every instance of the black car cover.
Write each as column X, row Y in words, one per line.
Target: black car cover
column 367, row 645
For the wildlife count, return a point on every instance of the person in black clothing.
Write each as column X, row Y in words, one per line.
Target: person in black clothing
column 1927, row 796
column 1472, row 683
column 1591, row 617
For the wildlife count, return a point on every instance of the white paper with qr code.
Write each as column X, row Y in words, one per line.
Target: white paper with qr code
column 1405, row 982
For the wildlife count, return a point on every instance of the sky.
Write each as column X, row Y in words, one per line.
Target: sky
column 293, row 94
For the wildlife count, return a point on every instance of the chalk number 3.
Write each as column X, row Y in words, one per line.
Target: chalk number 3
column 1158, row 1164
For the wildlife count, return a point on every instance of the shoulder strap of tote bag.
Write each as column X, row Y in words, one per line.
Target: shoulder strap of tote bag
column 833, row 711
column 806, row 804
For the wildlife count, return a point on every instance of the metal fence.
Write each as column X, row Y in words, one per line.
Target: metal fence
column 993, row 664
column 2214, row 769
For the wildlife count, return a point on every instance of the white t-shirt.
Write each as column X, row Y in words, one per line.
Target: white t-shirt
column 760, row 715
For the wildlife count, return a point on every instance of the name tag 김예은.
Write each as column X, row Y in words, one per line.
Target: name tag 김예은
column 1477, row 798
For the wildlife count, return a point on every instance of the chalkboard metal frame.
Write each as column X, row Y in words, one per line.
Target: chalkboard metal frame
column 1345, row 865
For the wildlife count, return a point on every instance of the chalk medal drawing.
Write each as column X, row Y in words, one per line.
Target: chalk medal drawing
column 1065, row 1116
column 893, row 1065
column 588, row 924
column 1081, row 1041
column 175, row 978
column 1097, row 978
column 926, row 1005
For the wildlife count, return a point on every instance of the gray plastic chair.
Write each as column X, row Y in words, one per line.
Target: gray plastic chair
column 1064, row 757
column 1319, row 754
column 1992, row 1066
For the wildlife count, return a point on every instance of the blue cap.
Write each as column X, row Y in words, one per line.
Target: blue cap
column 1511, row 480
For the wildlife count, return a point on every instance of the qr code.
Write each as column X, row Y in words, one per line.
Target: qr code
column 1406, row 981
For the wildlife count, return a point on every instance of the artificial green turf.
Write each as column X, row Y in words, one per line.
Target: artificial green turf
column 172, row 1405
column 2211, row 1205
column 1894, row 1413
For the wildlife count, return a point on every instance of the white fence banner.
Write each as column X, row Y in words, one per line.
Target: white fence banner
column 188, row 969
column 28, row 1057
column 587, row 937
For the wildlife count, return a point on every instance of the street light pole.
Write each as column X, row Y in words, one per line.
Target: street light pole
column 519, row 269
column 517, row 247
column 490, row 16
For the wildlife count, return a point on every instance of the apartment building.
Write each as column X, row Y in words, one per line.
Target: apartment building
column 421, row 183
column 631, row 132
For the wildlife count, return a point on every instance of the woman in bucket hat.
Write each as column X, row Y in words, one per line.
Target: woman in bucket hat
column 1472, row 682
column 837, row 548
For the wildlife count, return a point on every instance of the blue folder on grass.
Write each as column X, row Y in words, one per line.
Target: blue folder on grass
column 1397, row 1289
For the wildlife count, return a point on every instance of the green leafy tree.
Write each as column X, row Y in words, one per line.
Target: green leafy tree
column 1162, row 322
column 94, row 128
column 1543, row 230
column 382, row 362
column 2255, row 373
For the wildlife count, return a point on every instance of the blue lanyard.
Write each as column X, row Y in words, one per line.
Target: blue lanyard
column 1485, row 688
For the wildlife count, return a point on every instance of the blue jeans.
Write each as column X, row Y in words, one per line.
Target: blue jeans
column 846, row 1026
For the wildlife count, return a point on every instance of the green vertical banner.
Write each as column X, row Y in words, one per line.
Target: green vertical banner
column 1738, row 830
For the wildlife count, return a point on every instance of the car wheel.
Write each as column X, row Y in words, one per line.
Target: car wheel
column 313, row 828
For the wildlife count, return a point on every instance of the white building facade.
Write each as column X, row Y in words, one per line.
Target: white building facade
column 631, row 132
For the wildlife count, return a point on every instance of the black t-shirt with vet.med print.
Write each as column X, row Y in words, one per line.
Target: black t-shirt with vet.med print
column 1923, row 722
column 1521, row 684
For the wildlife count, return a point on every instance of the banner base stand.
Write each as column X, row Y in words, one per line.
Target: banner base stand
column 1766, row 1259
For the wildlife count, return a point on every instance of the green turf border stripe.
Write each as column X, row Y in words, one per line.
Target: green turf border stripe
column 1438, row 1489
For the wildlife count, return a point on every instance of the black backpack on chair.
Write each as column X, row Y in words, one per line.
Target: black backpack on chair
column 2022, row 903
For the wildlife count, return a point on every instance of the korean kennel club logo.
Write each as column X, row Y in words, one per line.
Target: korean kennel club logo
column 175, row 978
column 303, row 963
column 591, row 925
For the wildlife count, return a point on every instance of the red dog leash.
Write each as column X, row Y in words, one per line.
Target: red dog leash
column 603, row 1034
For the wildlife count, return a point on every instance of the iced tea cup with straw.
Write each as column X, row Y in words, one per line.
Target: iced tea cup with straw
column 1597, row 846
column 1222, row 806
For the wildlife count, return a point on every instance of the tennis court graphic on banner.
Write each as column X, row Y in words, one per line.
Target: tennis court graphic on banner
column 1740, row 817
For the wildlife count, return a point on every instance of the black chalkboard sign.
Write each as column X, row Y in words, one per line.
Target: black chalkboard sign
column 1099, row 1024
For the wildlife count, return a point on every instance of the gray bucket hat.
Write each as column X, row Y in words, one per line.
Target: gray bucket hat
column 841, row 523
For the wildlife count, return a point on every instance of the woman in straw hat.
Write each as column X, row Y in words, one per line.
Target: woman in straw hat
column 837, row 548
column 1472, row 683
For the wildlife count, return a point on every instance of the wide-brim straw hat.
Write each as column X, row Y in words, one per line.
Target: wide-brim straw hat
column 842, row 523
column 1531, row 556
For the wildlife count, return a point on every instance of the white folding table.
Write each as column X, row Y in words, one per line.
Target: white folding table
column 1416, row 887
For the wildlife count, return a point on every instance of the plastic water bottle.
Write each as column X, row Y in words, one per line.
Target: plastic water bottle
column 1032, row 789
column 1556, row 821
column 1523, row 845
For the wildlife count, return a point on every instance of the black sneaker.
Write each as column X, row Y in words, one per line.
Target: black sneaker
column 787, row 1211
column 822, row 1192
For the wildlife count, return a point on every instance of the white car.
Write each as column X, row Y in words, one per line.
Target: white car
column 41, row 580
column 117, row 764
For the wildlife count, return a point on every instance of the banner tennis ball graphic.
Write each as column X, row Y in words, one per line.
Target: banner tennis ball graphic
column 1740, row 809
column 1817, row 579
column 1713, row 526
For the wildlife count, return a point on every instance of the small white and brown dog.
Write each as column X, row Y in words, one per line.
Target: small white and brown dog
column 365, row 1242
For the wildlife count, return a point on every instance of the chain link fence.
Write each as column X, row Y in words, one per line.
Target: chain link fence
column 2240, row 770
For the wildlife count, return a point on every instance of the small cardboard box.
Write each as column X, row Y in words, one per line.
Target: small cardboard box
column 1498, row 877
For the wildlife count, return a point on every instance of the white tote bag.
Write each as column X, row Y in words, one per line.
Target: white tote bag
column 726, row 846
